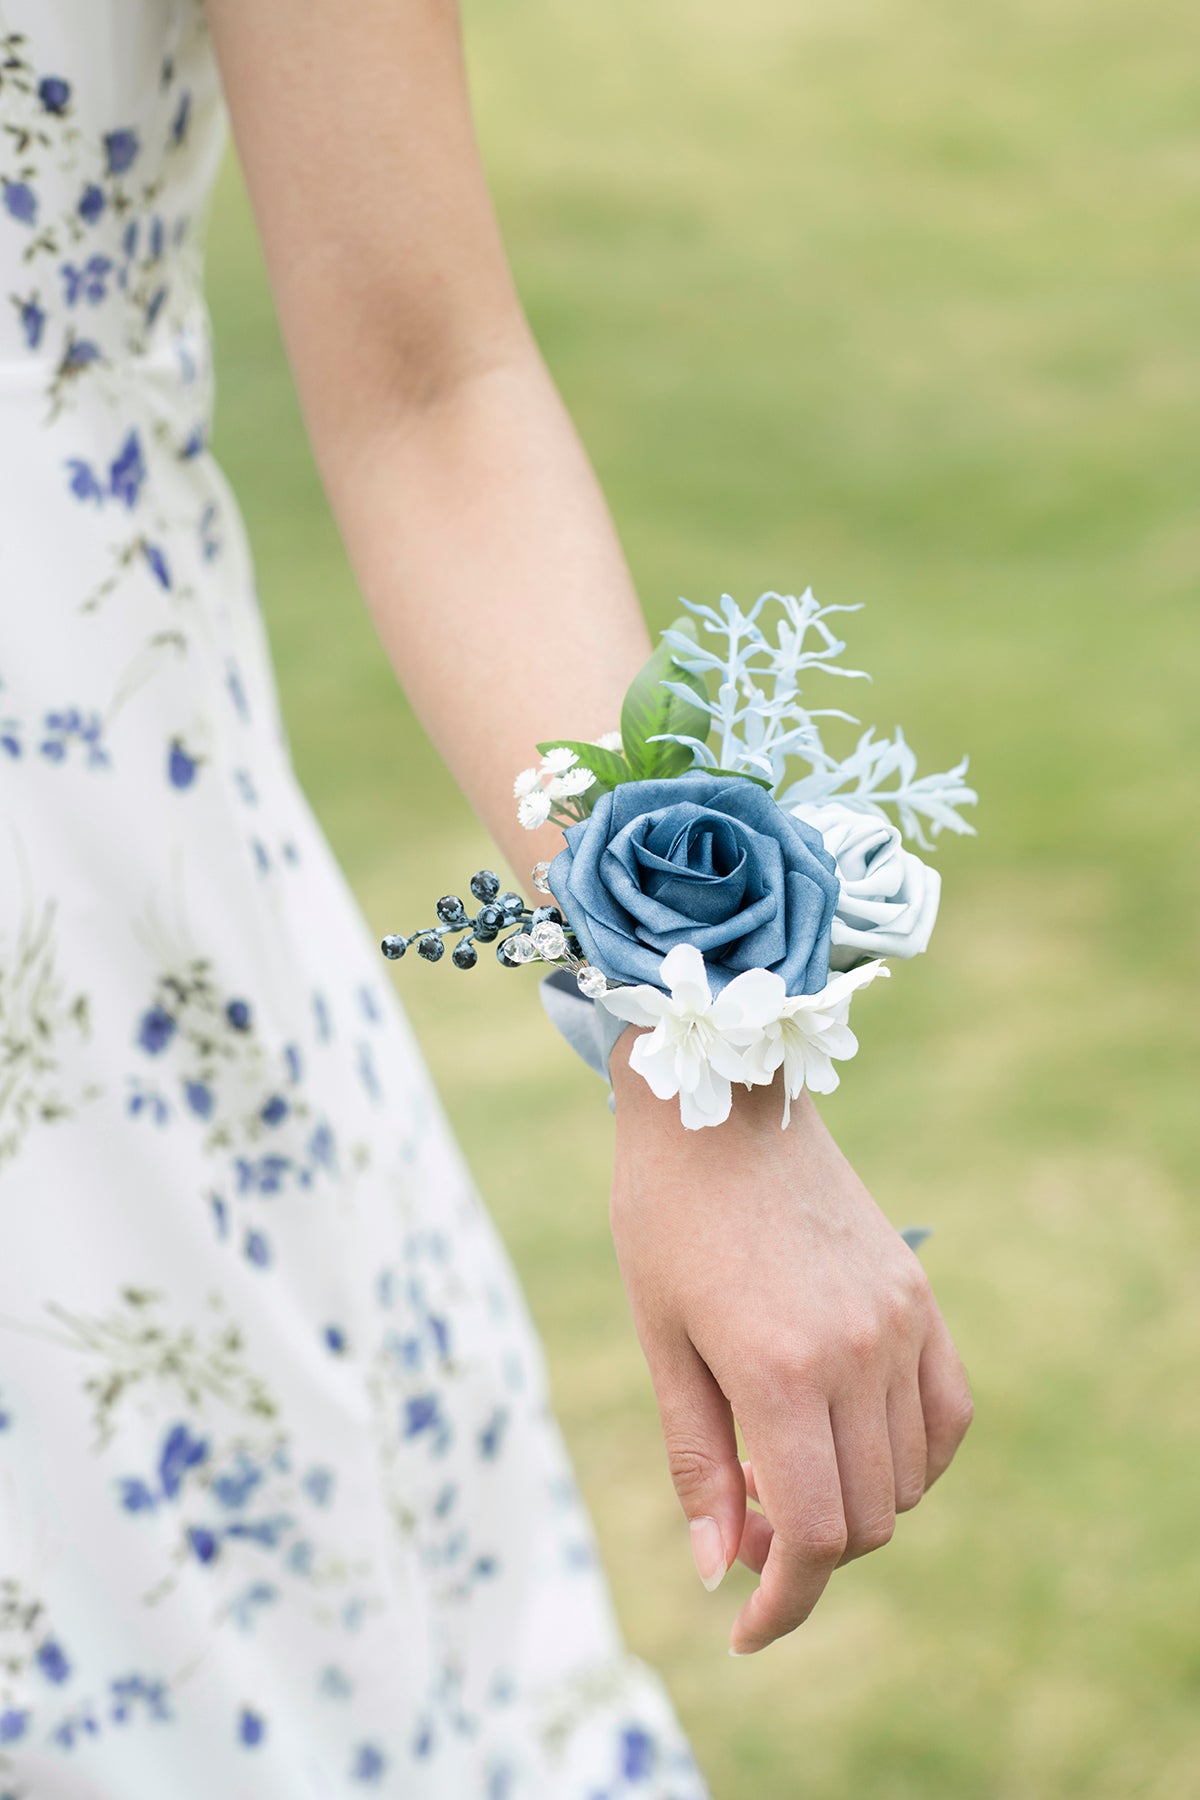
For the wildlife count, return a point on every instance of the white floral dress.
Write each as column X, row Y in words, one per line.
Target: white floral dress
column 283, row 1510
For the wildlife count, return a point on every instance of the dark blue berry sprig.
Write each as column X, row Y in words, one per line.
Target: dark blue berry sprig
column 508, row 913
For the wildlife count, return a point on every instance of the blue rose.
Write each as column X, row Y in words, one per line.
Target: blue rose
column 699, row 859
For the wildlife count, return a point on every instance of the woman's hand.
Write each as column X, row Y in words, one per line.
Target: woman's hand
column 767, row 1287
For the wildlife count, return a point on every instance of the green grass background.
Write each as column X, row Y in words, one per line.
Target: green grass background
column 899, row 300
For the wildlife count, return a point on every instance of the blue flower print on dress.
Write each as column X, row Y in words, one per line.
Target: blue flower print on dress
column 86, row 283
column 261, row 1149
column 54, row 94
column 370, row 1764
column 91, row 203
column 127, row 472
column 61, row 731
column 181, row 1451
column 182, row 767
column 156, row 561
column 156, row 1028
column 123, row 483
column 251, row 1728
column 33, row 320
column 51, row 1660
column 20, row 202
column 183, row 113
column 120, row 151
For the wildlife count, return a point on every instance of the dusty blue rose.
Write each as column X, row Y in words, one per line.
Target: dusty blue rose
column 704, row 860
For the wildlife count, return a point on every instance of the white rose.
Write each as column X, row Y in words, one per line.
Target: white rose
column 889, row 897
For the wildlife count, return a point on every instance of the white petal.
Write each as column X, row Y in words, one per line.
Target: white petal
column 730, row 1060
column 575, row 781
column 610, row 741
column 710, row 1104
column 525, row 783
column 654, row 1060
column 689, row 1067
column 534, row 809
column 638, row 1005
column 754, row 998
column 820, row 1076
column 683, row 971
column 838, row 1040
column 762, row 1058
column 837, row 990
column 555, row 761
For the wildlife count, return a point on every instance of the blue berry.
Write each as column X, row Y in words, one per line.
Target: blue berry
column 513, row 904
column 431, row 947
column 463, row 956
column 393, row 947
column 451, row 911
column 485, row 885
column 546, row 915
column 490, row 919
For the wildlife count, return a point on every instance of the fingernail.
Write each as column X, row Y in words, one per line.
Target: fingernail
column 734, row 1652
column 708, row 1552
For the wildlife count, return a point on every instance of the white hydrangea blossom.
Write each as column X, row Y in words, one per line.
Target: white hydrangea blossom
column 690, row 1052
column 699, row 1046
column 806, row 1034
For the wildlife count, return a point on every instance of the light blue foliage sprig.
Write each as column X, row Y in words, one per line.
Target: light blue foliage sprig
column 759, row 721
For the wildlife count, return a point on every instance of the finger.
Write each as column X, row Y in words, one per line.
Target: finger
column 864, row 1457
column 801, row 1492
column 748, row 1475
column 906, row 1434
column 756, row 1542
column 702, row 1456
column 945, row 1400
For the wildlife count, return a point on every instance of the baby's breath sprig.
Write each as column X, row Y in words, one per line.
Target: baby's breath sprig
column 552, row 793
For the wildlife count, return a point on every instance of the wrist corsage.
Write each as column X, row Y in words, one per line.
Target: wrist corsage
column 726, row 880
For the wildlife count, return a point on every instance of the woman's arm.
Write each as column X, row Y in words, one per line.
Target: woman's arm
column 472, row 517
column 765, row 1283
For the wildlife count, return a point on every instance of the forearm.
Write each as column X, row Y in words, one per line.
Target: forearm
column 486, row 554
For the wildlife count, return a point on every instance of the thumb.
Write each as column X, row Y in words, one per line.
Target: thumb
column 702, row 1456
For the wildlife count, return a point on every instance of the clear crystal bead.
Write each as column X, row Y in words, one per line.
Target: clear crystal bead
column 549, row 940
column 538, row 876
column 592, row 983
column 521, row 948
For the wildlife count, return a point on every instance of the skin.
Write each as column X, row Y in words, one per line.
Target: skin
column 766, row 1285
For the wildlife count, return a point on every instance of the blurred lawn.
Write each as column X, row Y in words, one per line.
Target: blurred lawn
column 899, row 301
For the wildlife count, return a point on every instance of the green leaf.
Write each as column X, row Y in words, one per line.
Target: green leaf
column 649, row 709
column 608, row 768
column 670, row 759
column 744, row 775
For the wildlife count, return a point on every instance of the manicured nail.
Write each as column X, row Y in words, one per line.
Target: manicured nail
column 708, row 1552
